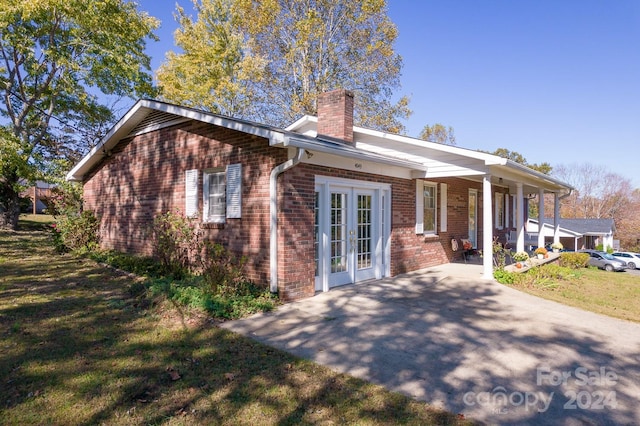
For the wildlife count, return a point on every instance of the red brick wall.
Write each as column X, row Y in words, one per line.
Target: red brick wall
column 145, row 175
column 409, row 251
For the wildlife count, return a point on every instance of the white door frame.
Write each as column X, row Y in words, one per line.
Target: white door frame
column 380, row 196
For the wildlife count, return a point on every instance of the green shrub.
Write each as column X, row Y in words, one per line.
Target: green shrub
column 76, row 232
column 175, row 241
column 223, row 272
column 194, row 293
column 82, row 231
column 504, row 277
column 192, row 273
column 74, row 229
column 239, row 306
column 574, row 260
column 547, row 276
column 56, row 239
column 601, row 247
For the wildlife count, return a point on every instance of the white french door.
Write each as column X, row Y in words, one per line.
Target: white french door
column 350, row 242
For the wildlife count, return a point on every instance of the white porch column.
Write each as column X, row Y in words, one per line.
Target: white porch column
column 556, row 218
column 487, row 229
column 519, row 217
column 541, row 217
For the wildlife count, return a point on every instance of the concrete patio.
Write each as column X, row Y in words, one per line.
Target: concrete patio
column 445, row 336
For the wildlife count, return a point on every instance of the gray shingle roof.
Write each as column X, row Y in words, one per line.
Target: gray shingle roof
column 585, row 226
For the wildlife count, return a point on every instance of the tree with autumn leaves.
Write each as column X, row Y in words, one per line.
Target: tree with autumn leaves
column 602, row 193
column 268, row 60
column 56, row 58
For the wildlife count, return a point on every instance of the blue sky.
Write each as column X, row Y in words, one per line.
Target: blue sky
column 555, row 80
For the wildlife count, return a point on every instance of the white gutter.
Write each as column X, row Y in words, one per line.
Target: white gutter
column 273, row 212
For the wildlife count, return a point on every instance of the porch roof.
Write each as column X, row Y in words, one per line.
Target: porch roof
column 442, row 160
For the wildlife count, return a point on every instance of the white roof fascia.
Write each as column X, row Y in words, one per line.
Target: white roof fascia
column 312, row 144
column 90, row 159
column 489, row 159
column 122, row 128
column 465, row 166
column 302, row 122
column 540, row 176
column 307, row 122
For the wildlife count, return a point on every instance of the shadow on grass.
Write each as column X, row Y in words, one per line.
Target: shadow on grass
column 473, row 347
column 76, row 349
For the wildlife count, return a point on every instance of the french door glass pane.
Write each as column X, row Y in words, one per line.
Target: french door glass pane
column 338, row 232
column 364, row 231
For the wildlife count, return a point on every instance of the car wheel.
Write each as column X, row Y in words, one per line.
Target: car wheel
column 631, row 265
column 608, row 268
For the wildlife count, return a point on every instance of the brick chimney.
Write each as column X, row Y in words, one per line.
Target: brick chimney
column 335, row 114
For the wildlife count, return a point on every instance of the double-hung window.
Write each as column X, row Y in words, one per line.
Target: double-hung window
column 429, row 194
column 221, row 193
column 215, row 196
column 426, row 207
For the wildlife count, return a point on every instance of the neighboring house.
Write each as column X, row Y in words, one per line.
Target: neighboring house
column 319, row 204
column 576, row 234
column 39, row 195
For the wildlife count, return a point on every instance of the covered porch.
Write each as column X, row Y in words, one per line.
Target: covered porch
column 506, row 223
column 507, row 188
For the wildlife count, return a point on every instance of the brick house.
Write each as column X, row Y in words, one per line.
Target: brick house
column 319, row 204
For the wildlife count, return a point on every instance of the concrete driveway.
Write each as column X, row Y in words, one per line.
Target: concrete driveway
column 447, row 337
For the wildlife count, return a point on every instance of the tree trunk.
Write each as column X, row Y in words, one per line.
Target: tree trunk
column 9, row 204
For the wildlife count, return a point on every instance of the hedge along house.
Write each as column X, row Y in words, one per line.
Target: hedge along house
column 319, row 204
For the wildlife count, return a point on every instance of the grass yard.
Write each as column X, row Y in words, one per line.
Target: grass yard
column 616, row 294
column 75, row 348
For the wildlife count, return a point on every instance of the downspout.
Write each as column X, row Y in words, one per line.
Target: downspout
column 273, row 212
column 562, row 197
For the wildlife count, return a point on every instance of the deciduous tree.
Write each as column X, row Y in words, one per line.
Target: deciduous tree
column 601, row 193
column 438, row 133
column 289, row 51
column 215, row 71
column 56, row 56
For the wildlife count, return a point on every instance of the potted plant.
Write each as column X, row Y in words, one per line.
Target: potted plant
column 541, row 252
column 521, row 256
column 557, row 246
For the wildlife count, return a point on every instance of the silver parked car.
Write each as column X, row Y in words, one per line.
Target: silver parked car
column 605, row 261
column 632, row 259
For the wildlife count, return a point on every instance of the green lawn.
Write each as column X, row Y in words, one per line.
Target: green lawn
column 75, row 348
column 616, row 294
